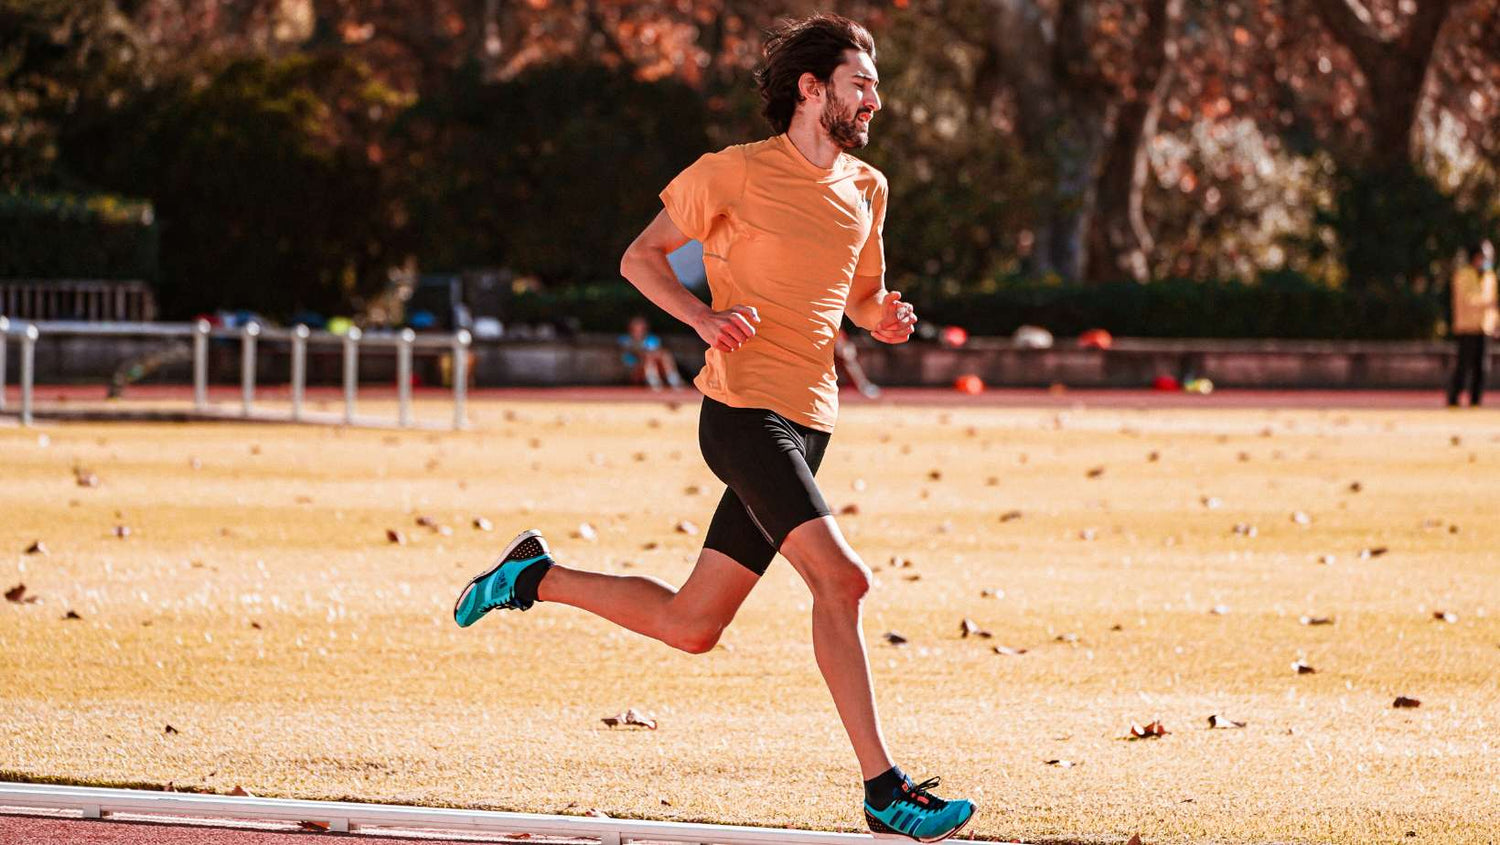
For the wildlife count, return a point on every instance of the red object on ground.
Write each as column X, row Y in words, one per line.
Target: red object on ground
column 954, row 336
column 1166, row 384
column 969, row 385
column 1096, row 339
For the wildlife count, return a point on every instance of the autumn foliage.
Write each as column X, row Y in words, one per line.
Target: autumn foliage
column 320, row 143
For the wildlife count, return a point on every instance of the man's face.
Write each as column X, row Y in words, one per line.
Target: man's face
column 850, row 101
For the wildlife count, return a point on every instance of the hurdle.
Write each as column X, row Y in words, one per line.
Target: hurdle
column 346, row 817
column 250, row 337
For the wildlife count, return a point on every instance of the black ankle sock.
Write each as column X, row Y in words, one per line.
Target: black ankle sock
column 880, row 790
column 527, row 581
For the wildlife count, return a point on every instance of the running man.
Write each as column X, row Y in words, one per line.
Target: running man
column 791, row 232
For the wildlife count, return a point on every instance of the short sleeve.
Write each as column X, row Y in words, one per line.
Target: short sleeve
column 872, row 255
column 706, row 190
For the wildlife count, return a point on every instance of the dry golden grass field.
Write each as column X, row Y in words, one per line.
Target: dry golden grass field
column 257, row 607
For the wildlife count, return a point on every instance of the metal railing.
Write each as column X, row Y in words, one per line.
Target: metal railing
column 250, row 336
column 344, row 817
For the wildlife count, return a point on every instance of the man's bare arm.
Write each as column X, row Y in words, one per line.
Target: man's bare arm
column 866, row 301
column 645, row 266
column 879, row 311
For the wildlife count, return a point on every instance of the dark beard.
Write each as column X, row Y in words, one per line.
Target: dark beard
column 845, row 132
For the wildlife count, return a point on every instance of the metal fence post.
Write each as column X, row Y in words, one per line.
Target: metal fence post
column 403, row 377
column 299, row 370
column 4, row 339
column 28, row 371
column 247, row 366
column 461, row 343
column 351, row 371
column 200, row 365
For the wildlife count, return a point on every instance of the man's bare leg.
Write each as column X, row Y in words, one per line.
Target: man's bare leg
column 690, row 618
column 839, row 581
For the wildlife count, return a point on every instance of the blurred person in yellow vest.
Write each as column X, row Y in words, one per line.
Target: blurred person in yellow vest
column 1475, row 318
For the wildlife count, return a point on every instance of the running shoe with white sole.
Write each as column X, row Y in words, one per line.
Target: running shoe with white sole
column 496, row 587
column 920, row 815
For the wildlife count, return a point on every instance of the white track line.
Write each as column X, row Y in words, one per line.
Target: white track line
column 343, row 816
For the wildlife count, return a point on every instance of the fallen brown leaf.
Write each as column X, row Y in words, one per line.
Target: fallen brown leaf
column 1009, row 516
column 170, row 730
column 631, row 718
column 967, row 628
column 1404, row 702
column 16, row 594
column 1095, row 472
column 1152, row 730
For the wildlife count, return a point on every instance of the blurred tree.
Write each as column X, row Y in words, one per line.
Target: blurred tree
column 551, row 172
column 267, row 179
column 61, row 61
column 1086, row 78
column 1394, row 58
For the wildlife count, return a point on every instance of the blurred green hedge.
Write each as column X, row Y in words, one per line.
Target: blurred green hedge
column 59, row 236
column 1279, row 306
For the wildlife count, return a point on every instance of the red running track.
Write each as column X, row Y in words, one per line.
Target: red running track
column 899, row 396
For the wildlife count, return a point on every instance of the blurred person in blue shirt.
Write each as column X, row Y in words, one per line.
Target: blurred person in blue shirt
column 646, row 359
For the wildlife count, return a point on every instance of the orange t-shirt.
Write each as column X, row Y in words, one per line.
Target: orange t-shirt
column 788, row 237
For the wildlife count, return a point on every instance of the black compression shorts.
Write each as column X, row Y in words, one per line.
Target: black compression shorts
column 768, row 463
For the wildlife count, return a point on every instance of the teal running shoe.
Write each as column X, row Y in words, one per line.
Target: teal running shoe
column 496, row 587
column 920, row 815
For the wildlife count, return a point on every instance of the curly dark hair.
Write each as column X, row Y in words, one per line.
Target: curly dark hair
column 814, row 45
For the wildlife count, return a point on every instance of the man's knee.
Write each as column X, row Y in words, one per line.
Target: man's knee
column 697, row 638
column 845, row 581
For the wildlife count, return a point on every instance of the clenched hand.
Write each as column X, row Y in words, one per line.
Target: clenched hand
column 729, row 329
column 896, row 324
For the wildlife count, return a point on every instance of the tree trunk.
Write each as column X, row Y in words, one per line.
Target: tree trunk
column 1064, row 120
column 1120, row 244
column 1395, row 69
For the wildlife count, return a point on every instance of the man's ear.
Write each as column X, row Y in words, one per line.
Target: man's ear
column 809, row 87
